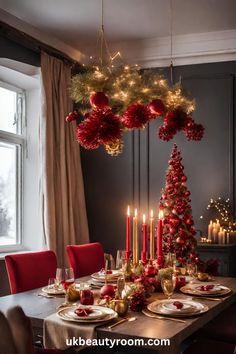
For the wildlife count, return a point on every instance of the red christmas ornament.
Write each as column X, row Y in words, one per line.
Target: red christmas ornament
column 150, row 271
column 166, row 132
column 184, row 179
column 156, row 107
column 73, row 116
column 100, row 127
column 136, row 116
column 194, row 131
column 176, row 119
column 107, row 290
column 99, row 100
column 87, row 134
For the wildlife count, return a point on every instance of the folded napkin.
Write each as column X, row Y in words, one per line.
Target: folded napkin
column 56, row 331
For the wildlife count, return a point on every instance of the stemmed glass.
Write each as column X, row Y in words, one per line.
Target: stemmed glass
column 65, row 277
column 168, row 286
column 120, row 259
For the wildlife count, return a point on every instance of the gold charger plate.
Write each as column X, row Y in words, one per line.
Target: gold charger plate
column 108, row 315
column 190, row 290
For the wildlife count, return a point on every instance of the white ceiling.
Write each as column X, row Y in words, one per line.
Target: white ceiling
column 76, row 22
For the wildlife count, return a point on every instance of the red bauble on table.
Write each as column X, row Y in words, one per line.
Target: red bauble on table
column 99, row 100
column 157, row 107
column 150, row 271
column 107, row 290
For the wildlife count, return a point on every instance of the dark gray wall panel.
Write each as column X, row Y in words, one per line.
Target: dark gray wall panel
column 209, row 164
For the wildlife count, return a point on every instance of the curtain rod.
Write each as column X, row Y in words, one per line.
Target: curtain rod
column 33, row 44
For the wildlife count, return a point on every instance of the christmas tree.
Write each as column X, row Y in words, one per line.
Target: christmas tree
column 178, row 225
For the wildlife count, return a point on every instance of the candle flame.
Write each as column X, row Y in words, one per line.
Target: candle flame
column 135, row 212
column 144, row 218
column 151, row 213
column 128, row 211
column 211, row 222
column 161, row 214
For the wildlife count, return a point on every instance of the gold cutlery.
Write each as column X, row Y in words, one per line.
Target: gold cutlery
column 126, row 319
column 153, row 315
column 46, row 295
column 207, row 298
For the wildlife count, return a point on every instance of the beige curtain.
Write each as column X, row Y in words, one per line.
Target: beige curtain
column 64, row 210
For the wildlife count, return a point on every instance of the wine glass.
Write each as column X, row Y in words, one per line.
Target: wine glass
column 120, row 259
column 168, row 286
column 65, row 277
column 191, row 269
column 69, row 277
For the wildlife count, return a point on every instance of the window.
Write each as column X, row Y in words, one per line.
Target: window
column 12, row 143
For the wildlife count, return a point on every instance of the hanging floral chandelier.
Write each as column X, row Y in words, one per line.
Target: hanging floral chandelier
column 117, row 99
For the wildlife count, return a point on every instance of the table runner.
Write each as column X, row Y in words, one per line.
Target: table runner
column 56, row 331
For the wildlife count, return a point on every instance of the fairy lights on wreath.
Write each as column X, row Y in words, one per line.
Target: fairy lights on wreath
column 115, row 99
column 123, row 99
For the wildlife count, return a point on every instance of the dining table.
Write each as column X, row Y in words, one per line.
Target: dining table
column 38, row 308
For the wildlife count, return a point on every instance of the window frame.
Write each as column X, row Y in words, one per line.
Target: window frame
column 19, row 140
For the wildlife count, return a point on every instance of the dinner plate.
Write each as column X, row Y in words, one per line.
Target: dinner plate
column 163, row 307
column 193, row 289
column 102, row 276
column 107, row 314
column 51, row 290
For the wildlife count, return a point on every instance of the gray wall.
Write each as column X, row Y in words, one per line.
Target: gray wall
column 137, row 176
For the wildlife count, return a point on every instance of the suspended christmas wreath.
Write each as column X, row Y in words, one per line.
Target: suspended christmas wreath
column 116, row 100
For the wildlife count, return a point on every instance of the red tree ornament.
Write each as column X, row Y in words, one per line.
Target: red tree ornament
column 178, row 228
column 99, row 100
column 101, row 127
column 156, row 107
column 73, row 116
column 136, row 116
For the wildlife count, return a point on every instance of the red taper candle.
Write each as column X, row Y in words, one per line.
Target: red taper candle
column 128, row 234
column 160, row 258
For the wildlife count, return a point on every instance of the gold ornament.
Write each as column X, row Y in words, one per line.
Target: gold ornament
column 115, row 148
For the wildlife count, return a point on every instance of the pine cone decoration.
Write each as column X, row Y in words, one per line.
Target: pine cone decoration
column 137, row 301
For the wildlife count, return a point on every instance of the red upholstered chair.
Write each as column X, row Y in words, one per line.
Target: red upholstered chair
column 85, row 259
column 31, row 270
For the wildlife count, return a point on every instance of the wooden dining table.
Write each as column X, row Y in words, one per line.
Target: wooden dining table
column 39, row 307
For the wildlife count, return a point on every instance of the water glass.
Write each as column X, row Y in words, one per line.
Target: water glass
column 120, row 259
column 168, row 286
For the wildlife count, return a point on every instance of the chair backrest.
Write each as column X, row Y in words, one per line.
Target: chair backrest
column 31, row 270
column 85, row 259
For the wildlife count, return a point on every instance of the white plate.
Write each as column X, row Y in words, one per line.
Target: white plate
column 102, row 276
column 158, row 307
column 193, row 289
column 94, row 315
column 50, row 290
column 107, row 314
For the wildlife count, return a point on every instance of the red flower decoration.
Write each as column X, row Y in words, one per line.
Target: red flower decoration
column 156, row 107
column 176, row 119
column 136, row 116
column 100, row 127
column 166, row 132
